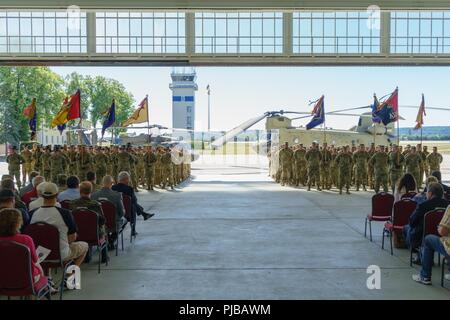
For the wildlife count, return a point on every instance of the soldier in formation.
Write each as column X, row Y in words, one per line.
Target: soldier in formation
column 326, row 166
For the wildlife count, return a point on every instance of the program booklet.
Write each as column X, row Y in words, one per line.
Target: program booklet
column 42, row 253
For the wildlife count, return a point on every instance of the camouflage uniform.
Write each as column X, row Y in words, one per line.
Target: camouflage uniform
column 413, row 162
column 72, row 167
column 426, row 166
column 26, row 166
column 84, row 164
column 434, row 161
column 300, row 166
column 396, row 163
column 149, row 166
column 313, row 156
column 345, row 164
column 58, row 164
column 14, row 161
column 360, row 159
column 100, row 163
column 379, row 162
column 334, row 170
column 325, row 169
column 36, row 161
column 46, row 165
column 167, row 170
column 286, row 165
column 370, row 169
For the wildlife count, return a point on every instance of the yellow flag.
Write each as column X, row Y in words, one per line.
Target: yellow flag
column 140, row 114
column 61, row 116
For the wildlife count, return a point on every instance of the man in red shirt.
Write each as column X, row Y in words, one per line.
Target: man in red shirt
column 33, row 194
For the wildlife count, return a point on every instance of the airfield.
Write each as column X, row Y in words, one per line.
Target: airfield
column 231, row 233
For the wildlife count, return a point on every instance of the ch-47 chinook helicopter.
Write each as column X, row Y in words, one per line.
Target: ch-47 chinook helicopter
column 280, row 130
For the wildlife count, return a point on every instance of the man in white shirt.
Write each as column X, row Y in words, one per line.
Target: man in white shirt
column 63, row 220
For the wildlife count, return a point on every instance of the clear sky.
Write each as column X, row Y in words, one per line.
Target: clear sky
column 240, row 93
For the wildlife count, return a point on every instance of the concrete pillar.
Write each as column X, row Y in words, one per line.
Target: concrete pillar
column 90, row 32
column 385, row 32
column 287, row 33
column 190, row 33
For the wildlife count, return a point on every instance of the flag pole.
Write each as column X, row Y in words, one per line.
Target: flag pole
column 324, row 121
column 148, row 119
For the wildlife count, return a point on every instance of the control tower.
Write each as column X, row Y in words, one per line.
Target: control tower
column 183, row 88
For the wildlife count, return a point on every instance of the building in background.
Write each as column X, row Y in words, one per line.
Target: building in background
column 183, row 88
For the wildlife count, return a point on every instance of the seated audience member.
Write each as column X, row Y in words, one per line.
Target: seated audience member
column 10, row 224
column 63, row 220
column 33, row 194
column 432, row 244
column 85, row 202
column 72, row 192
column 422, row 196
column 405, row 185
column 438, row 176
column 413, row 231
column 39, row 202
column 115, row 198
column 62, row 182
column 7, row 176
column 92, row 178
column 8, row 185
column 29, row 186
column 123, row 186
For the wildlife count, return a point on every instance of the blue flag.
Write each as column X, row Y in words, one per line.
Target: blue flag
column 386, row 111
column 110, row 117
column 61, row 128
column 375, row 105
column 318, row 114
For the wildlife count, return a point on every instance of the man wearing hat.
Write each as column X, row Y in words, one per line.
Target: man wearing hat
column 14, row 161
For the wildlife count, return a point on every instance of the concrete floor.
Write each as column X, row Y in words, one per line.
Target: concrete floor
column 231, row 233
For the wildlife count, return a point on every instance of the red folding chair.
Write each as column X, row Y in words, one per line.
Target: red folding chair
column 400, row 217
column 109, row 211
column 16, row 278
column 88, row 231
column 47, row 236
column 431, row 222
column 409, row 195
column 65, row 204
column 131, row 217
column 381, row 210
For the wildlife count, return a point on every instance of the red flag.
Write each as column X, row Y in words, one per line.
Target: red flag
column 420, row 114
column 29, row 111
column 75, row 106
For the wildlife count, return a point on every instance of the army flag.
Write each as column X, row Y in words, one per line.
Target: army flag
column 74, row 105
column 61, row 117
column 375, row 106
column 110, row 117
column 420, row 114
column 387, row 111
column 31, row 114
column 318, row 113
column 139, row 115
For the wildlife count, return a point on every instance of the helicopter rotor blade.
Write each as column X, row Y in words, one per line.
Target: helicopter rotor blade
column 237, row 130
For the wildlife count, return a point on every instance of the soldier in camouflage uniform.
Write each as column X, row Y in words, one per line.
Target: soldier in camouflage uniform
column 423, row 156
column 158, row 167
column 72, row 156
column 345, row 164
column 426, row 166
column 325, row 163
column 58, row 164
column 313, row 157
column 149, row 166
column 133, row 172
column 334, row 170
column 100, row 164
column 285, row 157
column 36, row 158
column 434, row 160
column 167, row 169
column 14, row 161
column 140, row 166
column 46, row 164
column 370, row 169
column 26, row 166
column 360, row 159
column 299, row 166
column 124, row 160
column 396, row 163
column 413, row 162
column 379, row 162
column 84, row 163
column 114, row 161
